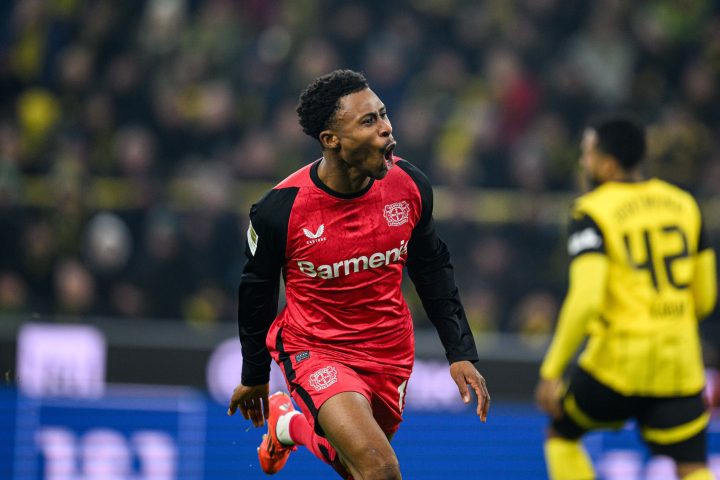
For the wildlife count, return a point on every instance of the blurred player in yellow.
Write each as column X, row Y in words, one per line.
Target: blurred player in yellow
column 642, row 274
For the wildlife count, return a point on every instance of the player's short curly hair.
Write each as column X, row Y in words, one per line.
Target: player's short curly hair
column 321, row 99
column 621, row 135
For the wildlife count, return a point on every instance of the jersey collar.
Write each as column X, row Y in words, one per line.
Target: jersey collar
column 318, row 183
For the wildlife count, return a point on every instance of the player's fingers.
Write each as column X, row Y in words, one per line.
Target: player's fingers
column 475, row 384
column 539, row 401
column 555, row 409
column 544, row 404
column 485, row 408
column 256, row 416
column 235, row 401
column 232, row 406
column 462, row 388
column 543, row 397
column 245, row 408
column 551, row 410
column 255, row 412
column 548, row 397
column 266, row 406
column 252, row 416
column 483, row 399
column 245, row 412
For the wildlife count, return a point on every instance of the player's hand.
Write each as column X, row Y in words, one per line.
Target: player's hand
column 464, row 374
column 252, row 402
column 547, row 396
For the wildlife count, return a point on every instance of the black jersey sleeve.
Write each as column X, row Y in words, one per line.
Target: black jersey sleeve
column 431, row 272
column 260, row 281
column 703, row 239
column 584, row 236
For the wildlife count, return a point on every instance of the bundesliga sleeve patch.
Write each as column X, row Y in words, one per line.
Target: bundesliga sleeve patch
column 585, row 240
column 585, row 236
column 252, row 238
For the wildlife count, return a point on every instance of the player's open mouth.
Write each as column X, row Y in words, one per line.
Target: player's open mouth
column 388, row 154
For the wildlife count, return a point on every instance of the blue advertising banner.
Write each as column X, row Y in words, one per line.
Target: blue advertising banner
column 149, row 433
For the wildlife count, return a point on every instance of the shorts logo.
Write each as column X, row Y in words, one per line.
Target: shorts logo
column 396, row 214
column 323, row 378
column 302, row 356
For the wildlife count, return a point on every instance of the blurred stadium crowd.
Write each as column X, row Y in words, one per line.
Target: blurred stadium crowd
column 135, row 134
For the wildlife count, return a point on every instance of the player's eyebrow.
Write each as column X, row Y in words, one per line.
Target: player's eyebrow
column 373, row 113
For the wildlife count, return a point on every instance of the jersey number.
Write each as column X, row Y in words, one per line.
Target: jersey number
column 649, row 263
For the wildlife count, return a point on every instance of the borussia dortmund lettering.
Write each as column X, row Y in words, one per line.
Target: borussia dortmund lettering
column 353, row 265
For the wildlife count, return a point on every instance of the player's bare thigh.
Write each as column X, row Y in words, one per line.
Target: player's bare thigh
column 348, row 423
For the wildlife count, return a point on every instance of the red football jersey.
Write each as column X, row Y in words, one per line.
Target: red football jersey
column 342, row 259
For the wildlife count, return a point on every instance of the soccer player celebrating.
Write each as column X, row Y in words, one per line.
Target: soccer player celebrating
column 341, row 230
column 641, row 276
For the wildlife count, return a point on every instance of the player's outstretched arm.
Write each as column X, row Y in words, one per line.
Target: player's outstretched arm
column 464, row 374
column 252, row 402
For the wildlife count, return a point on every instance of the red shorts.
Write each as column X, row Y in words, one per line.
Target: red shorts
column 313, row 379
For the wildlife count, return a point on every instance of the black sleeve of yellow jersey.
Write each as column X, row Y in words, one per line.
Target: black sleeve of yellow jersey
column 704, row 239
column 260, row 281
column 584, row 236
column 432, row 274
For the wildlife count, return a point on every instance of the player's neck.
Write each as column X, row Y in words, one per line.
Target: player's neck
column 341, row 178
column 632, row 176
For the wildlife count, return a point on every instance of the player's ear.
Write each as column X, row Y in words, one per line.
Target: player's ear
column 329, row 140
column 609, row 166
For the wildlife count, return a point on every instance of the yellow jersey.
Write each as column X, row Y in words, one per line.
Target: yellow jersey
column 645, row 238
